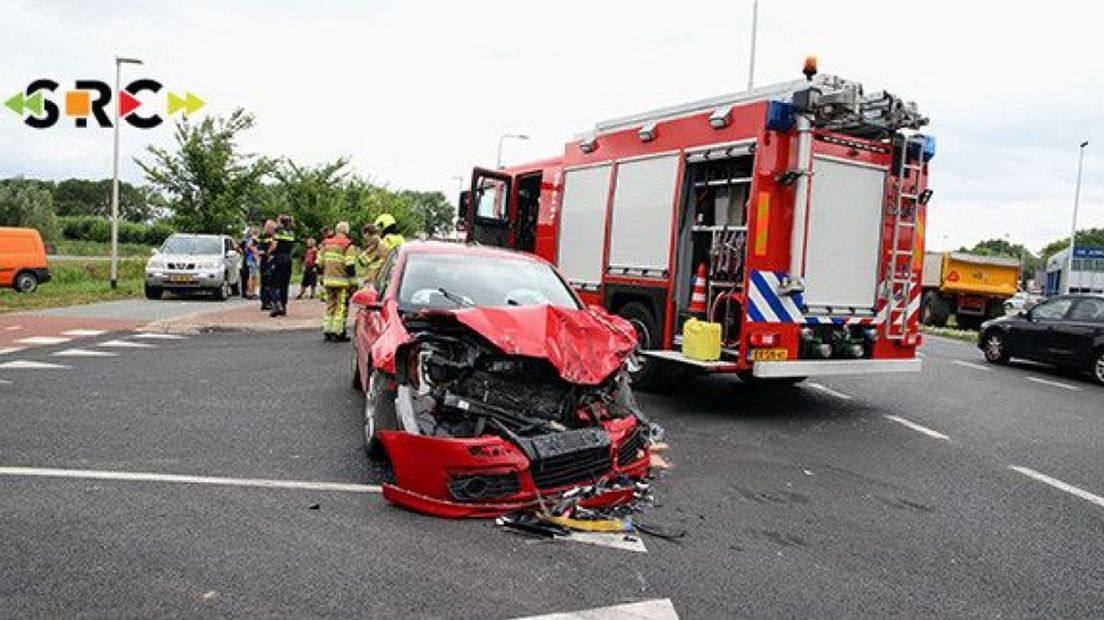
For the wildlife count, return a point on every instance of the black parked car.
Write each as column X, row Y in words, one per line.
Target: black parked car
column 1066, row 331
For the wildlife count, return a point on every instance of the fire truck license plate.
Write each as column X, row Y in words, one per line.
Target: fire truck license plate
column 768, row 355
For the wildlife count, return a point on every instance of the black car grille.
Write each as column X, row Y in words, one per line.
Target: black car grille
column 181, row 265
column 476, row 487
column 630, row 448
column 570, row 468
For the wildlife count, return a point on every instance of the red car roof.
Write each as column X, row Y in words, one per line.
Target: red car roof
column 441, row 247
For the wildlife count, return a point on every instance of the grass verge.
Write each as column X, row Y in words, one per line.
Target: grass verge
column 69, row 247
column 964, row 335
column 78, row 282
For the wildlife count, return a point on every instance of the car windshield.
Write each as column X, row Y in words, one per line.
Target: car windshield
column 440, row 281
column 192, row 245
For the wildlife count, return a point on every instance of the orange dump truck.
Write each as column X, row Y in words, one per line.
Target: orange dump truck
column 969, row 286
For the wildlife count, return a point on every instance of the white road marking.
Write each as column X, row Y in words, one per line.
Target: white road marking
column 125, row 344
column 28, row 365
column 84, row 332
column 5, row 382
column 920, row 354
column 971, row 365
column 603, row 539
column 654, row 609
column 93, row 474
column 84, row 353
column 12, row 328
column 43, row 340
column 1057, row 384
column 156, row 336
column 828, row 390
column 1058, row 484
column 4, row 350
column 916, row 427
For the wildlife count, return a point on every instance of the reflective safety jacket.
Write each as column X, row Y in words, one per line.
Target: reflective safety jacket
column 370, row 260
column 390, row 242
column 337, row 258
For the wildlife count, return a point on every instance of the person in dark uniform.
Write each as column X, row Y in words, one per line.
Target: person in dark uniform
column 283, row 241
column 264, row 255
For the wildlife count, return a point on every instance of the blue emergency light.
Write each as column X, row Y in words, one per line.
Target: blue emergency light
column 780, row 116
column 929, row 148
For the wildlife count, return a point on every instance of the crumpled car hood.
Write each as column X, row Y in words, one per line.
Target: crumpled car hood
column 584, row 346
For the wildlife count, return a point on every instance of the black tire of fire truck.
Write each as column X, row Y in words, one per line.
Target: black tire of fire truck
column 773, row 382
column 379, row 414
column 936, row 310
column 647, row 333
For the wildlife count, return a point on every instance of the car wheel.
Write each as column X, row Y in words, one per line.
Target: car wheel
column 379, row 414
column 646, row 376
column 995, row 348
column 1098, row 366
column 26, row 282
column 222, row 293
column 154, row 292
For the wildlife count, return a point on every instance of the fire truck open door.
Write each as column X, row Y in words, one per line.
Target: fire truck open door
column 490, row 208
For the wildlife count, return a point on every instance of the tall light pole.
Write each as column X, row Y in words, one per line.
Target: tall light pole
column 1073, row 227
column 754, row 30
column 119, row 62
column 459, row 186
column 515, row 136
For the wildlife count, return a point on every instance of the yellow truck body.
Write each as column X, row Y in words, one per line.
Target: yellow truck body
column 992, row 276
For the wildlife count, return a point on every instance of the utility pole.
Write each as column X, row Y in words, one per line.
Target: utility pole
column 754, row 29
column 1073, row 227
column 515, row 136
column 119, row 62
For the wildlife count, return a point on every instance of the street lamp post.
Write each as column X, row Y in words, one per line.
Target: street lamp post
column 754, row 32
column 1073, row 227
column 119, row 62
column 501, row 139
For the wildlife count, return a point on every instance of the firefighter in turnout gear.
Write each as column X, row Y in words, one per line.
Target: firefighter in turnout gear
column 337, row 256
column 389, row 232
column 371, row 257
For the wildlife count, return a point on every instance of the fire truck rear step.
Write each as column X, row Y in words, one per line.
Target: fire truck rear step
column 678, row 357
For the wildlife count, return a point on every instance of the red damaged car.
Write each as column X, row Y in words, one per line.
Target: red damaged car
column 490, row 387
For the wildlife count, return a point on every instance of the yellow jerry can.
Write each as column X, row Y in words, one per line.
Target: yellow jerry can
column 701, row 340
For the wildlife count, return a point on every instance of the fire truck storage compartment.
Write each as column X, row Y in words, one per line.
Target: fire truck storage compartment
column 713, row 232
column 640, row 225
column 844, row 236
column 583, row 225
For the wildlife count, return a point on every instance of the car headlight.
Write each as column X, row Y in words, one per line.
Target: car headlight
column 211, row 264
column 155, row 264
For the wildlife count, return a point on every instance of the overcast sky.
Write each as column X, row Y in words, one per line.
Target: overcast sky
column 418, row 92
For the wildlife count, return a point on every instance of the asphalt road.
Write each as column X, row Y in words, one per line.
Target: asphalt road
column 806, row 502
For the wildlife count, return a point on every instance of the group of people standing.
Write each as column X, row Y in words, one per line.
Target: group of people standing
column 339, row 259
column 336, row 261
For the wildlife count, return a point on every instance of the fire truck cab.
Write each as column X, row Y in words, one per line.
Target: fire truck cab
column 802, row 204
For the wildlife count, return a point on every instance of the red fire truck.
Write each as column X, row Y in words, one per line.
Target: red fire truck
column 805, row 202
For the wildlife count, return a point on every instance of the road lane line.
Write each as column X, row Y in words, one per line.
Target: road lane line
column 917, row 427
column 83, row 353
column 1058, row 484
column 971, row 365
column 828, row 390
column 28, row 365
column 156, row 336
column 5, row 382
column 654, row 609
column 1057, row 384
column 95, row 474
column 44, row 340
column 920, row 354
column 125, row 344
column 84, row 332
column 4, row 350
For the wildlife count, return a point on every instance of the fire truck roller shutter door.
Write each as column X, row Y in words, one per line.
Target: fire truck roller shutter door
column 640, row 230
column 583, row 224
column 844, row 235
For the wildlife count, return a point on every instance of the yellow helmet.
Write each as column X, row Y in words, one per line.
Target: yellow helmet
column 383, row 220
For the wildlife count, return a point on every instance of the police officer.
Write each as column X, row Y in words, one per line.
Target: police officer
column 338, row 258
column 283, row 241
column 264, row 243
column 389, row 232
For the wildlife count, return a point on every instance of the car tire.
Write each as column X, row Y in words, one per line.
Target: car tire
column 1097, row 369
column 154, row 292
column 379, row 414
column 26, row 282
column 222, row 292
column 936, row 310
column 647, row 377
column 995, row 347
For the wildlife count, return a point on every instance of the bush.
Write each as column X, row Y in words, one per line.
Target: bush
column 157, row 232
column 93, row 228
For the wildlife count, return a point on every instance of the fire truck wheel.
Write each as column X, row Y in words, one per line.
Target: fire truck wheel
column 936, row 310
column 647, row 336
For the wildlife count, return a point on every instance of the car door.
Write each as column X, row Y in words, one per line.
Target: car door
column 1073, row 339
column 1040, row 338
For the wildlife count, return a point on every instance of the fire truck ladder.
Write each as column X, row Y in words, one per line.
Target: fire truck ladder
column 900, row 280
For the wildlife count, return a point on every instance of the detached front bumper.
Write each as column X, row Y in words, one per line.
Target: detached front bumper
column 489, row 476
column 814, row 368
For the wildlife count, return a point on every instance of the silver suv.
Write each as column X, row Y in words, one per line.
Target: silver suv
column 195, row 263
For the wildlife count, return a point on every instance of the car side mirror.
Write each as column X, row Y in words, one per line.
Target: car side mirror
column 367, row 298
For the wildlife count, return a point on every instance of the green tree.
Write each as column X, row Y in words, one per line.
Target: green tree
column 314, row 196
column 76, row 197
column 434, row 212
column 28, row 204
column 207, row 183
column 1089, row 237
